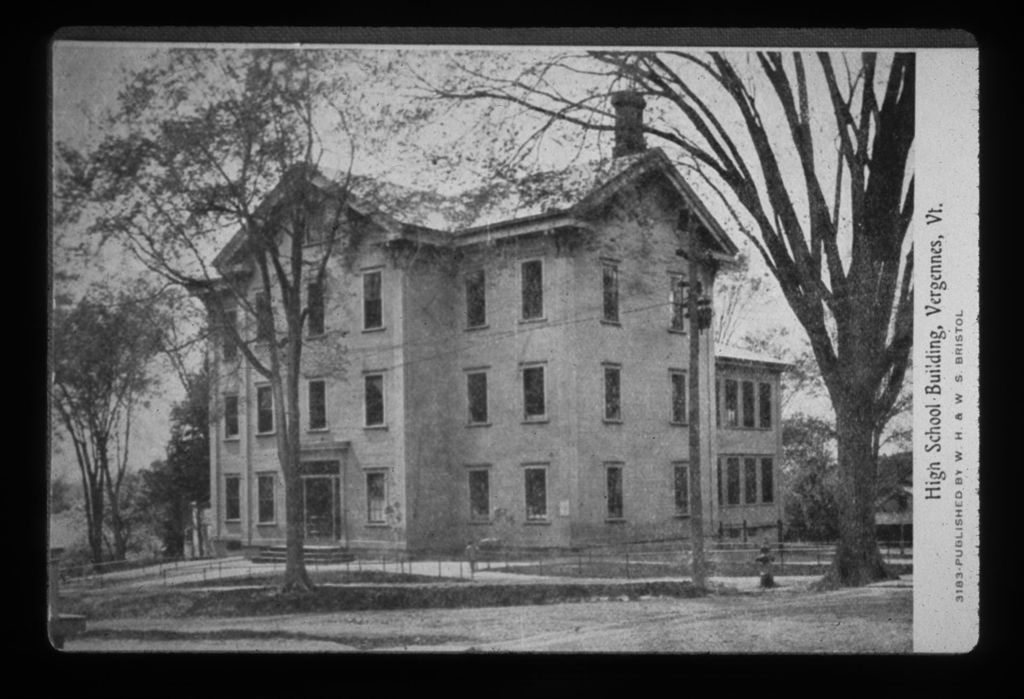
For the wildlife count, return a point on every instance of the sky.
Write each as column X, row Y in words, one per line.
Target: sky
column 87, row 77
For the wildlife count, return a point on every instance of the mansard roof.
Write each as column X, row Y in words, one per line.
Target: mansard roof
column 504, row 208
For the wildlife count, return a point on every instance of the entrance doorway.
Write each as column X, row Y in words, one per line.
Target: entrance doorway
column 321, row 502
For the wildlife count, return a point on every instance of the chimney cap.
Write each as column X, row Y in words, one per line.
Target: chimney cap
column 628, row 98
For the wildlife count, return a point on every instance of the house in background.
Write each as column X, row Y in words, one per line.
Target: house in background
column 509, row 364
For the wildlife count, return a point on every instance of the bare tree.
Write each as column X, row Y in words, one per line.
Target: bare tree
column 815, row 169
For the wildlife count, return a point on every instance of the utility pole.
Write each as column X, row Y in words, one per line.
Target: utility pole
column 698, row 311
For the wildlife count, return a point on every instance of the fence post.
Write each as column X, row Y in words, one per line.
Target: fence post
column 782, row 557
column 627, row 560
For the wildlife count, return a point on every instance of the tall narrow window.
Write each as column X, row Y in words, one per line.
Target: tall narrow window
column 749, row 481
column 764, row 393
column 612, row 393
column 230, row 347
column 476, row 388
column 718, row 482
column 613, row 491
column 732, row 415
column 230, row 416
column 534, row 407
column 264, row 409
column 317, row 405
column 678, row 397
column 767, row 481
column 232, row 498
column 264, row 319
column 732, row 483
column 610, row 297
column 718, row 403
column 265, row 497
column 678, row 297
column 476, row 300
column 376, row 497
column 480, row 494
column 748, row 403
column 682, row 489
column 532, row 280
column 315, row 304
column 373, row 315
column 536, row 494
column 374, row 397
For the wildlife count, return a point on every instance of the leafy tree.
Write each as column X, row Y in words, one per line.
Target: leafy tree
column 171, row 485
column 810, row 479
column 61, row 495
column 103, row 350
column 774, row 137
column 204, row 144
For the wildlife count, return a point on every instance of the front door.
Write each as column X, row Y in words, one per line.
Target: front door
column 322, row 510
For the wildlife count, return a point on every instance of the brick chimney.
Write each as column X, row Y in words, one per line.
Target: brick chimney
column 629, row 123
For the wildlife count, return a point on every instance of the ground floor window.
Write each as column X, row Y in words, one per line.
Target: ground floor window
column 480, row 494
column 749, row 480
column 536, row 493
column 767, row 480
column 376, row 497
column 232, row 498
column 265, row 497
column 682, row 488
column 613, row 491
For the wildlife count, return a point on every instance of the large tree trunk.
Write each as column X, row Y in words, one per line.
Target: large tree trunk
column 857, row 560
column 94, row 523
column 296, row 579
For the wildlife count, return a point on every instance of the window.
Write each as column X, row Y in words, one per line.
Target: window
column 682, row 489
column 480, row 494
column 264, row 409
column 731, row 403
column 748, row 403
column 732, row 484
column 533, row 393
column 232, row 498
column 476, row 300
column 265, row 497
column 749, row 481
column 536, row 494
column 373, row 316
column 612, row 402
column 678, row 397
column 317, row 405
column 767, row 481
column 476, row 388
column 264, row 319
column 718, row 403
column 678, row 297
column 610, row 296
column 718, row 482
column 230, row 416
column 230, row 347
column 315, row 305
column 764, row 395
column 374, row 397
column 613, row 491
column 532, row 280
column 376, row 496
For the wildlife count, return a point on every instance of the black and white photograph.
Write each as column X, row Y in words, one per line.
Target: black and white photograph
column 506, row 348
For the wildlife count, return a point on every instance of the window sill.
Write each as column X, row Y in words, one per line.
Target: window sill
column 375, row 330
column 271, row 433
column 679, row 516
column 678, row 424
column 523, row 321
column 612, row 421
column 233, row 521
column 478, row 424
column 613, row 323
column 271, row 523
column 615, row 520
column 233, row 438
column 375, row 427
column 376, row 525
column 535, row 420
column 470, row 328
column 318, row 429
column 317, row 336
column 677, row 331
column 537, row 522
column 480, row 522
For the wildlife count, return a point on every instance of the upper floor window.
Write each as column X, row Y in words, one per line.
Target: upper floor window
column 748, row 403
column 678, row 298
column 373, row 313
column 265, row 497
column 534, row 407
column 532, row 280
column 476, row 389
column 679, row 415
column 765, row 408
column 232, row 498
column 229, row 345
column 681, row 472
column 317, row 405
column 612, row 393
column 610, row 295
column 264, row 318
column 732, row 415
column 230, row 416
column 536, row 486
column 264, row 409
column 315, row 306
column 479, row 494
column 374, row 399
column 476, row 300
column 613, row 491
